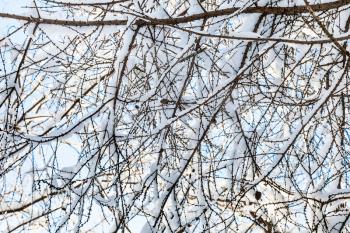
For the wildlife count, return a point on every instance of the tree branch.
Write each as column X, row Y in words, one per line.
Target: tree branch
column 293, row 10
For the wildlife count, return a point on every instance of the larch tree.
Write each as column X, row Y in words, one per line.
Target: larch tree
column 174, row 116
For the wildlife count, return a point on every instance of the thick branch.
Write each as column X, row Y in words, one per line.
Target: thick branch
column 186, row 19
